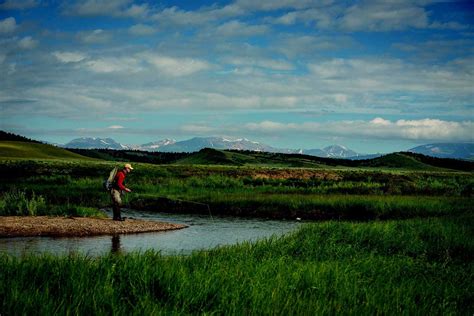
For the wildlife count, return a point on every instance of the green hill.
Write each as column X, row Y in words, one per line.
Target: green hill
column 397, row 160
column 208, row 156
column 21, row 149
column 400, row 160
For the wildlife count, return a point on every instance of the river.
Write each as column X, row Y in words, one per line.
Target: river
column 203, row 232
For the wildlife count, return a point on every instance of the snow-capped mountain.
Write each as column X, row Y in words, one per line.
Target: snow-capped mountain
column 338, row 151
column 446, row 150
column 155, row 146
column 198, row 143
column 94, row 142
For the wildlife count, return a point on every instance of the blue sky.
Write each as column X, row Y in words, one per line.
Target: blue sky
column 376, row 76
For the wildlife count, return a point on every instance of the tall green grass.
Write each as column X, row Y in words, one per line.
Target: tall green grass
column 267, row 192
column 16, row 202
column 23, row 203
column 421, row 266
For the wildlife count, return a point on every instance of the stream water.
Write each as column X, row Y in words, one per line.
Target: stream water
column 204, row 232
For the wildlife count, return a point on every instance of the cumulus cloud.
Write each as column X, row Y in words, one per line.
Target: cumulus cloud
column 374, row 16
column 27, row 42
column 384, row 16
column 237, row 28
column 271, row 5
column 18, row 4
column 260, row 62
column 69, row 57
column 97, row 36
column 390, row 75
column 113, row 64
column 378, row 128
column 141, row 29
column 175, row 66
column 7, row 25
column 116, row 8
column 176, row 16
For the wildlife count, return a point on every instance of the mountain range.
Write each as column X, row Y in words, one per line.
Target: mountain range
column 440, row 150
column 198, row 143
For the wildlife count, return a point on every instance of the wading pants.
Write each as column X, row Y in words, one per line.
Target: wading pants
column 117, row 203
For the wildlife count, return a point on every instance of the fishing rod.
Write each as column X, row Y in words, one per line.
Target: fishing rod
column 185, row 201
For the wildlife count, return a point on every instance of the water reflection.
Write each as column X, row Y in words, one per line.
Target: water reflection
column 115, row 244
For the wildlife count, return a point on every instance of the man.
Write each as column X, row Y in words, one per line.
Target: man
column 118, row 188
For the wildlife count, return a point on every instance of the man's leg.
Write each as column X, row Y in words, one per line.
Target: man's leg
column 116, row 206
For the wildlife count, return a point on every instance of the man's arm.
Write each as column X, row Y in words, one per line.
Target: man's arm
column 120, row 178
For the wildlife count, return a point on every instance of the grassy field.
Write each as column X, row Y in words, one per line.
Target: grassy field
column 62, row 186
column 399, row 240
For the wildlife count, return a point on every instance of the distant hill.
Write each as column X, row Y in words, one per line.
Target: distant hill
column 407, row 161
column 22, row 149
column 131, row 155
column 446, row 150
column 6, row 136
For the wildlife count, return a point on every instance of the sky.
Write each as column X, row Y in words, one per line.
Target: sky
column 375, row 76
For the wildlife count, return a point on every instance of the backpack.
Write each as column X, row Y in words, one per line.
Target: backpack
column 109, row 182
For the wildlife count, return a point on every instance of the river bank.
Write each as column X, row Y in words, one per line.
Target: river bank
column 26, row 226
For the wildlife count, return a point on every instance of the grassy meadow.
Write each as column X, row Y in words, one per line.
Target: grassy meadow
column 392, row 236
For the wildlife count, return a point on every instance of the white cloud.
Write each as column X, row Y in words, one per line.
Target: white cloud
column 260, row 62
column 18, row 4
column 355, row 76
column 136, row 11
column 378, row 128
column 141, row 29
column 115, row 127
column 8, row 25
column 237, row 28
column 176, row 16
column 115, row 8
column 97, row 36
column 69, row 57
column 112, row 64
column 96, row 7
column 27, row 42
column 175, row 66
column 384, row 16
column 374, row 16
column 270, row 5
column 197, row 129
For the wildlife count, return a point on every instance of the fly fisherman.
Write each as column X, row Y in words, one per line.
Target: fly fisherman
column 117, row 190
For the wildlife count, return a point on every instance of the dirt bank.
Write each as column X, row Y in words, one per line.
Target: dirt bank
column 23, row 226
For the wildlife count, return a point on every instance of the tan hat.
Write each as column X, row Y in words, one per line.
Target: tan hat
column 129, row 166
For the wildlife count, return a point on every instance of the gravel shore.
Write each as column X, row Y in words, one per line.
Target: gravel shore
column 26, row 226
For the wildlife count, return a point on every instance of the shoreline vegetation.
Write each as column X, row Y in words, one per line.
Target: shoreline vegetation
column 389, row 240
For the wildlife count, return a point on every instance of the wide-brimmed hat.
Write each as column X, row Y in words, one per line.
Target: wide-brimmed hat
column 129, row 166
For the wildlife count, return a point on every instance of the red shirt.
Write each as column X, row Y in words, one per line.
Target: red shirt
column 119, row 180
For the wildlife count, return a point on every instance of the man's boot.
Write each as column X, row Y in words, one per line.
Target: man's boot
column 116, row 210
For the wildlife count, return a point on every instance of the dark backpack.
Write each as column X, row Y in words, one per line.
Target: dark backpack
column 109, row 182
